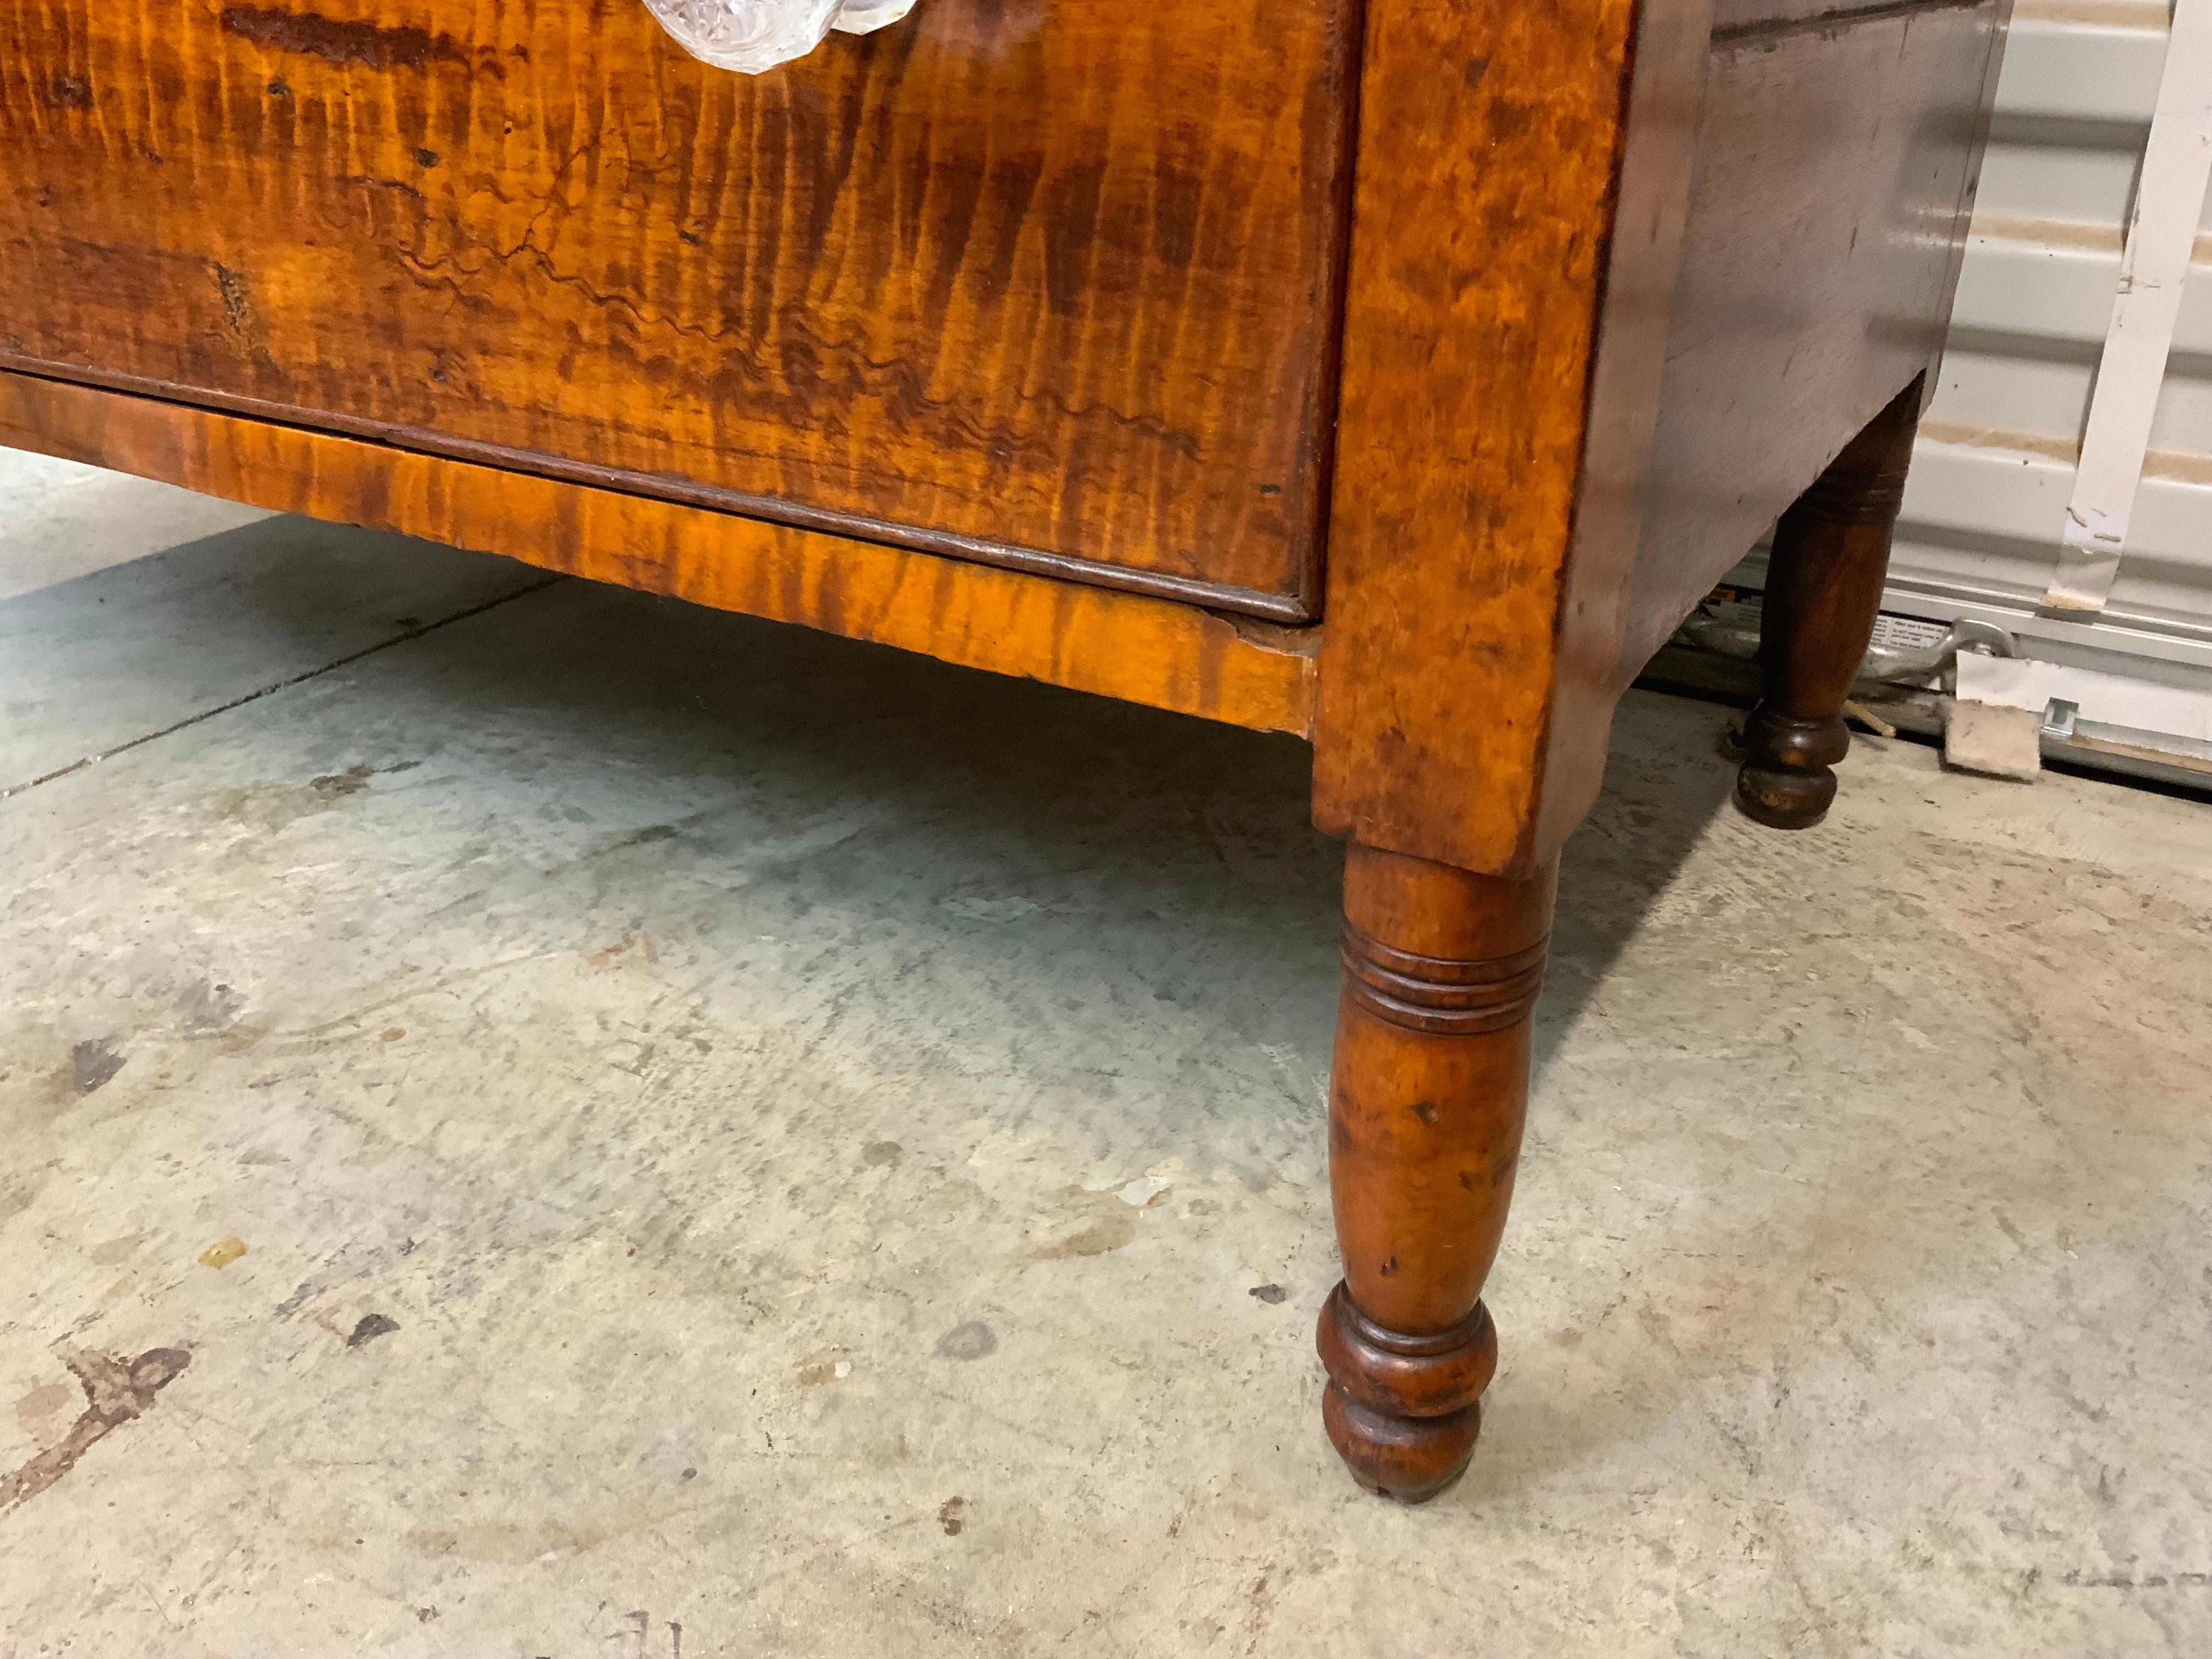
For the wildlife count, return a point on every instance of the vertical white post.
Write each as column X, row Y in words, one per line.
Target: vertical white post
column 2162, row 232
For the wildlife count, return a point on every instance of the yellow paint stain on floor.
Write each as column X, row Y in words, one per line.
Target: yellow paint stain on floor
column 223, row 1253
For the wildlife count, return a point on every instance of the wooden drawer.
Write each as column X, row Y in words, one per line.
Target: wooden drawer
column 1029, row 281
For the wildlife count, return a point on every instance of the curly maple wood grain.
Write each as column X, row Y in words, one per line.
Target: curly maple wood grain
column 1118, row 645
column 1030, row 276
column 1470, row 338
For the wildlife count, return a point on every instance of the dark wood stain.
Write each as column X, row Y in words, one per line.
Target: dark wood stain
column 370, row 45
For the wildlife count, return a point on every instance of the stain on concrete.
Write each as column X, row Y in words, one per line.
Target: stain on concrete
column 115, row 1392
column 990, row 909
column 93, row 1065
column 371, row 1327
column 117, row 1249
column 38, row 1408
column 951, row 1517
column 1273, row 1295
column 825, row 1365
column 273, row 806
column 973, row 1341
column 334, row 785
column 207, row 1007
column 507, row 1543
column 1110, row 1219
column 1109, row 1232
column 877, row 1152
column 651, row 832
column 223, row 1253
column 269, row 806
column 628, row 952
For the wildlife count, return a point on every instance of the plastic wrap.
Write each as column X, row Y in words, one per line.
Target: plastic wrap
column 754, row 35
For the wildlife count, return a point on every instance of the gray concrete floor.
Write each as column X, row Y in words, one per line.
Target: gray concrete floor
column 600, row 1117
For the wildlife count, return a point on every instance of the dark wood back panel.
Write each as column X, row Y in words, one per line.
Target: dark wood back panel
column 1033, row 281
column 1828, row 208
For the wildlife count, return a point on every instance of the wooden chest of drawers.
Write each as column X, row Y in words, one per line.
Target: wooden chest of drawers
column 1397, row 373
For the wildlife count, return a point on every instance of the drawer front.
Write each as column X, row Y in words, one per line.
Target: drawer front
column 1028, row 280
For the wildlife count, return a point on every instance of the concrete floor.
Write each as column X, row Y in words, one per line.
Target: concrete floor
column 604, row 1128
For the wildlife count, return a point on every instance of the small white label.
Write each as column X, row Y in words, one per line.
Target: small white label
column 1896, row 633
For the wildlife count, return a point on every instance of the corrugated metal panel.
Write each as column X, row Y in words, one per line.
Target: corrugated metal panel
column 1994, row 473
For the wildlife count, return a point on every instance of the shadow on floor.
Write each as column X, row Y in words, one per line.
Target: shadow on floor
column 1182, row 814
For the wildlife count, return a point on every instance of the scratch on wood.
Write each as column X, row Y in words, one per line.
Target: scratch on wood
column 115, row 1391
column 237, row 296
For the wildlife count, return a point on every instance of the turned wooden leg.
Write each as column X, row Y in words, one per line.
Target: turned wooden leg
column 1426, row 1099
column 1823, row 588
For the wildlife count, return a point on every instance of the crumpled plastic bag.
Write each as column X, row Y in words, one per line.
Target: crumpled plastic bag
column 756, row 35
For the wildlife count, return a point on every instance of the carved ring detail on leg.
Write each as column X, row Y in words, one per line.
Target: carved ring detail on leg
column 1439, row 996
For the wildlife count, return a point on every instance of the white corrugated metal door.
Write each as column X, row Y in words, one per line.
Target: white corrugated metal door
column 2049, row 345
column 1987, row 505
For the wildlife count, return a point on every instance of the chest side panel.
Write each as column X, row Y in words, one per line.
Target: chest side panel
column 1039, row 280
column 1835, row 176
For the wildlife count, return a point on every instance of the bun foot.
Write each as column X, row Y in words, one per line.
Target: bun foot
column 1403, row 1411
column 1411, row 1459
column 1786, row 782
